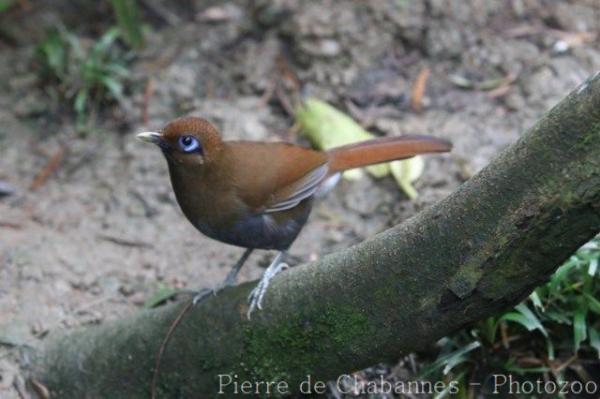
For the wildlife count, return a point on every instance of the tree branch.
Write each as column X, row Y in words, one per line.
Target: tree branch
column 481, row 250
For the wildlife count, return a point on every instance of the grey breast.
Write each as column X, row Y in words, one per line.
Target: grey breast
column 260, row 231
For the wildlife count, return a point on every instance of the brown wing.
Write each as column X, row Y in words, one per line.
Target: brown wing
column 272, row 177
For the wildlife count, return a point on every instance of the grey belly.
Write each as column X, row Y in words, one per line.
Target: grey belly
column 260, row 231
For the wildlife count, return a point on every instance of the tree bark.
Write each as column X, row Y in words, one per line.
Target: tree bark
column 477, row 252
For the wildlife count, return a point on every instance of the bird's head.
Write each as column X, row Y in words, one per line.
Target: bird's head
column 186, row 141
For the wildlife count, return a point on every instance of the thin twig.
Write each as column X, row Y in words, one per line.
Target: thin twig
column 504, row 86
column 568, row 362
column 148, row 93
column 124, row 241
column 286, row 72
column 162, row 12
column 284, row 101
column 87, row 156
column 365, row 118
column 164, row 343
column 10, row 225
column 193, row 302
column 418, row 91
column 40, row 389
column 48, row 169
column 268, row 94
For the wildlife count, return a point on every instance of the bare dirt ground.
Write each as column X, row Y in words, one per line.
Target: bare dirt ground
column 104, row 232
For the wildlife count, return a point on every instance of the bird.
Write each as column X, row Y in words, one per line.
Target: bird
column 258, row 195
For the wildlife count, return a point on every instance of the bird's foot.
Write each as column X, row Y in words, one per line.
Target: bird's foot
column 230, row 281
column 256, row 295
column 202, row 295
column 206, row 292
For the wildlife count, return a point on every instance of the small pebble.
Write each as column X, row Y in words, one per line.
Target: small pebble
column 6, row 189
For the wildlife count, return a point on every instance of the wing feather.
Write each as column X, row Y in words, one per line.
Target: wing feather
column 302, row 189
column 274, row 177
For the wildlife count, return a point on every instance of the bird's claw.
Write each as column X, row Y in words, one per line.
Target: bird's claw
column 205, row 292
column 256, row 295
column 202, row 295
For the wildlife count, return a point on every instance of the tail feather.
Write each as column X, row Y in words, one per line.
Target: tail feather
column 385, row 149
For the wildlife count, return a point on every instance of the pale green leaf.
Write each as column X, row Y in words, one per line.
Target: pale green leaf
column 326, row 127
column 80, row 101
column 593, row 266
column 106, row 40
column 161, row 295
column 550, row 348
column 537, row 302
column 406, row 172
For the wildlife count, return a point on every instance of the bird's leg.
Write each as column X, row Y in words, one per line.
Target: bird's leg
column 230, row 280
column 256, row 295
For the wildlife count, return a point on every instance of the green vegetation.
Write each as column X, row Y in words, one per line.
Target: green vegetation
column 6, row 4
column 87, row 75
column 128, row 18
column 547, row 337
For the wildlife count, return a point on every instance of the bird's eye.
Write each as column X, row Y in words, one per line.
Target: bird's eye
column 189, row 144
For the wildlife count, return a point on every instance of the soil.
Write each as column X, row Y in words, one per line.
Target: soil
column 103, row 233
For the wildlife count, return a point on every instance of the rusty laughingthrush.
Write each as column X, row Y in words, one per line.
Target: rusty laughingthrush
column 258, row 195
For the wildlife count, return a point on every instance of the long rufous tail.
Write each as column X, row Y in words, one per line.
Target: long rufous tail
column 384, row 149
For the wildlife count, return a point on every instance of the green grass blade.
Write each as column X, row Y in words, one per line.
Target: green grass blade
column 594, row 339
column 450, row 360
column 592, row 303
column 80, row 102
column 526, row 318
column 579, row 327
column 593, row 268
column 537, row 302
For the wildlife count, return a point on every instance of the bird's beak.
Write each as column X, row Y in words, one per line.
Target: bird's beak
column 149, row 137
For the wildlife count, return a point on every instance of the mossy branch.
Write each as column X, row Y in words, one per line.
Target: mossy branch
column 479, row 251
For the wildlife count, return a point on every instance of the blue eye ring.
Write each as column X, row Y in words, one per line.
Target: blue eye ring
column 189, row 144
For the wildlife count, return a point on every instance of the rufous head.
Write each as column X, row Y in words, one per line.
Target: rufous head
column 189, row 141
